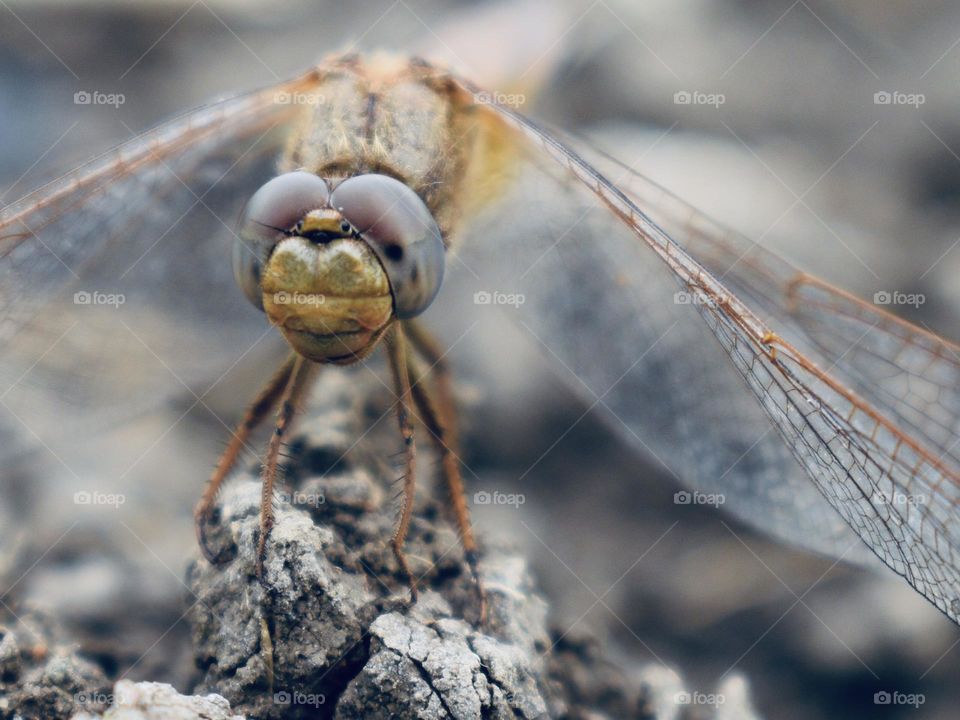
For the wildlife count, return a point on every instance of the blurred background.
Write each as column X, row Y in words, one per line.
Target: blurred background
column 794, row 143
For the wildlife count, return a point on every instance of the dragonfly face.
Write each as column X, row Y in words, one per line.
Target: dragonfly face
column 333, row 269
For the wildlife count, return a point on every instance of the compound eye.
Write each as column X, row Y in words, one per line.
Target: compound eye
column 272, row 212
column 397, row 225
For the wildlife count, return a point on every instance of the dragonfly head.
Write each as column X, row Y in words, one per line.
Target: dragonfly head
column 332, row 268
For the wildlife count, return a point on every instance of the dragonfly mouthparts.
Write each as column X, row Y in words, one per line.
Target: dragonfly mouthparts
column 322, row 237
column 323, row 226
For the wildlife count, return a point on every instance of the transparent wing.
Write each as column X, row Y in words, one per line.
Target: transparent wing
column 908, row 373
column 767, row 411
column 115, row 280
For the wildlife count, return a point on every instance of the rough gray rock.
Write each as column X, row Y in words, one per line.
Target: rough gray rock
column 425, row 665
column 331, row 622
column 343, row 641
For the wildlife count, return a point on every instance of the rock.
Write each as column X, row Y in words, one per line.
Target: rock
column 333, row 602
column 159, row 701
column 425, row 666
column 41, row 676
column 328, row 632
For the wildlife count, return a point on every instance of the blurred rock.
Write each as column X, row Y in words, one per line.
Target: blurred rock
column 736, row 705
column 41, row 675
column 159, row 701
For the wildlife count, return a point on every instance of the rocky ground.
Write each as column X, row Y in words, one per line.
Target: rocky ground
column 329, row 633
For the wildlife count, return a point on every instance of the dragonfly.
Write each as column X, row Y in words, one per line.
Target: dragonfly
column 823, row 419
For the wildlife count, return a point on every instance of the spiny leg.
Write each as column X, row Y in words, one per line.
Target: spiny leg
column 440, row 417
column 296, row 387
column 397, row 355
column 264, row 402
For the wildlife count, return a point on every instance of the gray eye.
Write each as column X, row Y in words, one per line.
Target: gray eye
column 273, row 210
column 401, row 231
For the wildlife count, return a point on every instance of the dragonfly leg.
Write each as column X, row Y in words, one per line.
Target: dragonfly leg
column 397, row 354
column 439, row 413
column 294, row 391
column 261, row 406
